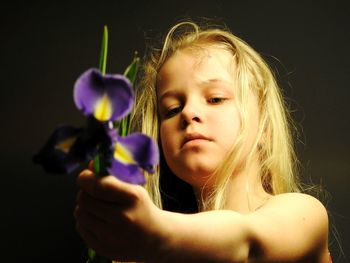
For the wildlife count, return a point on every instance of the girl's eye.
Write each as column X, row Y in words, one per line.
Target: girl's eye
column 172, row 112
column 216, row 100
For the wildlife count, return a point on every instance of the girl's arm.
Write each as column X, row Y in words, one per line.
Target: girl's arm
column 288, row 228
column 120, row 221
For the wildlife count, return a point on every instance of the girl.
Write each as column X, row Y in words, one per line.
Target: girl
column 214, row 106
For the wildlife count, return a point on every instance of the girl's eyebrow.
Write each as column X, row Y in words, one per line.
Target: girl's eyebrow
column 216, row 80
column 225, row 85
column 169, row 93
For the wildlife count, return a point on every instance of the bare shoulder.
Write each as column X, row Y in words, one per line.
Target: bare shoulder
column 295, row 208
column 293, row 222
column 298, row 201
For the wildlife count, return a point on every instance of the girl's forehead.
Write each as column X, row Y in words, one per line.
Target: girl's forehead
column 206, row 52
column 201, row 64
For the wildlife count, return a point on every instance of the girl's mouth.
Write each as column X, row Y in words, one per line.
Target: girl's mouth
column 194, row 137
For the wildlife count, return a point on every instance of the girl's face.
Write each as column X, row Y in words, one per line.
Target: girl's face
column 199, row 120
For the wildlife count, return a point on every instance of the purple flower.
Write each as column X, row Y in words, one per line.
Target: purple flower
column 131, row 155
column 68, row 147
column 103, row 99
column 106, row 97
column 55, row 156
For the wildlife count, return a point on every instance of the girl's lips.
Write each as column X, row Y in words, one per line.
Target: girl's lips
column 194, row 136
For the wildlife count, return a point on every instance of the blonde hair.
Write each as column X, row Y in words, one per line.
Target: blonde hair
column 274, row 140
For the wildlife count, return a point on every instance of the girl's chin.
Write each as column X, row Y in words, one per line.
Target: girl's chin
column 196, row 176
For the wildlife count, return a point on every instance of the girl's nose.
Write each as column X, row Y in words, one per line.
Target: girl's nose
column 190, row 114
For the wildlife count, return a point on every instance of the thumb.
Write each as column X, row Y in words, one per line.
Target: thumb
column 107, row 188
column 91, row 165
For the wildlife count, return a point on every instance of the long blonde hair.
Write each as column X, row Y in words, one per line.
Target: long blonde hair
column 274, row 141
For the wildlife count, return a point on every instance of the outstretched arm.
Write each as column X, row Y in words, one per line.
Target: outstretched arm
column 120, row 221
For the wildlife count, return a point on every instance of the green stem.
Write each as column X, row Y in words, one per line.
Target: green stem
column 102, row 66
column 97, row 164
column 104, row 49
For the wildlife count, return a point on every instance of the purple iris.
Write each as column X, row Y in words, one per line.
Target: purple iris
column 68, row 146
column 106, row 97
column 103, row 99
column 131, row 155
column 55, row 156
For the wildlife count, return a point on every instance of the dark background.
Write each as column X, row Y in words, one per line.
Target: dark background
column 45, row 47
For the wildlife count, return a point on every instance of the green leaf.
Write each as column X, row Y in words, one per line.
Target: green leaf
column 123, row 126
column 131, row 71
column 104, row 49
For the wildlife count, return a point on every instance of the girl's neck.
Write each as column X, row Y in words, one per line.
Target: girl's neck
column 245, row 192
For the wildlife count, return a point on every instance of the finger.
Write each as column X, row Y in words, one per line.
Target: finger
column 105, row 211
column 91, row 165
column 89, row 238
column 90, row 224
column 84, row 231
column 108, row 188
column 94, row 232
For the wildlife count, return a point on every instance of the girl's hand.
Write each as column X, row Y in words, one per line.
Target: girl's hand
column 116, row 219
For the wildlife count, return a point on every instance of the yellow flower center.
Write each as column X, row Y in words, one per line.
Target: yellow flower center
column 103, row 109
column 65, row 145
column 122, row 154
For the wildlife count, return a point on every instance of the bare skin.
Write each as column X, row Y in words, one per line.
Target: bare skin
column 120, row 221
column 199, row 123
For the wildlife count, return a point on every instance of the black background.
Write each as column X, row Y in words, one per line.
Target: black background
column 45, row 47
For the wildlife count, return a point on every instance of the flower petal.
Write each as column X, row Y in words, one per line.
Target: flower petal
column 55, row 156
column 137, row 148
column 67, row 147
column 106, row 97
column 132, row 154
column 130, row 173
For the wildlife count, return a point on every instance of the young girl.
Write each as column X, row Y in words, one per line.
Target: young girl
column 214, row 106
